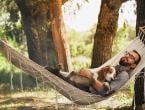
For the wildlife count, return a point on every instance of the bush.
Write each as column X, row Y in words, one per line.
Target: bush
column 123, row 37
column 81, row 48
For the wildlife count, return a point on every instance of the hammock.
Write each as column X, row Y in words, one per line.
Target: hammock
column 74, row 94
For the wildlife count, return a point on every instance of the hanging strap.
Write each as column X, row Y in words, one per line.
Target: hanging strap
column 139, row 88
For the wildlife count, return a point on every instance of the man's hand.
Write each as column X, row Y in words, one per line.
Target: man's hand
column 106, row 85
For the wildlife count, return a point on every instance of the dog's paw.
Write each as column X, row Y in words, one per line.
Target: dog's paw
column 106, row 85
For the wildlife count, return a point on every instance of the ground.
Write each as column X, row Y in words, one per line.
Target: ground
column 51, row 100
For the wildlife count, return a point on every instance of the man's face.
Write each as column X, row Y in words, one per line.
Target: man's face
column 129, row 59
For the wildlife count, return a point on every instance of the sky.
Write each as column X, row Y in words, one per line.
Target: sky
column 87, row 16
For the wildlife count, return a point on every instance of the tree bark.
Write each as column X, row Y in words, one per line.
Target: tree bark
column 106, row 30
column 39, row 29
column 36, row 24
column 139, row 82
column 59, row 34
column 140, row 21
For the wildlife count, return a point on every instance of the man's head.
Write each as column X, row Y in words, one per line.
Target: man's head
column 130, row 59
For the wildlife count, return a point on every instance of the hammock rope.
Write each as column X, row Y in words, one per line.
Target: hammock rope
column 74, row 94
column 11, row 75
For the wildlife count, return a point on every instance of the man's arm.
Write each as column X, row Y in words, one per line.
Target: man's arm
column 119, row 81
column 88, row 74
column 116, row 84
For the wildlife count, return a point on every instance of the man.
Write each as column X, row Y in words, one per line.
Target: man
column 127, row 63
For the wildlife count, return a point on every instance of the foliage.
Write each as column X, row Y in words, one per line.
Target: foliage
column 72, row 7
column 10, row 21
column 7, row 69
column 81, row 44
column 81, row 48
column 123, row 36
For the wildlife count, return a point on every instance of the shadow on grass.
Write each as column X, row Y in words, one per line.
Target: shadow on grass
column 17, row 100
column 36, row 103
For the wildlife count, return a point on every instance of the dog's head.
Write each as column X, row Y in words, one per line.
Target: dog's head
column 107, row 73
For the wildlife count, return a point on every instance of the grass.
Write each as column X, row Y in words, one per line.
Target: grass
column 34, row 99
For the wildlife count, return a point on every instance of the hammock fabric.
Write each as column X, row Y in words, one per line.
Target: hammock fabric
column 74, row 94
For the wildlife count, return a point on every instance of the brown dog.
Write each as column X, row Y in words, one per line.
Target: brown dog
column 104, row 75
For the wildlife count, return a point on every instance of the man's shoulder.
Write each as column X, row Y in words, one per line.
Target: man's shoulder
column 120, row 68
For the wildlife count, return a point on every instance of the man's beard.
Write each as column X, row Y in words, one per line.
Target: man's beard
column 124, row 62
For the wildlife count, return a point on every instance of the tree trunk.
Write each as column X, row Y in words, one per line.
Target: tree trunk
column 59, row 34
column 37, row 26
column 139, row 82
column 140, row 21
column 106, row 30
